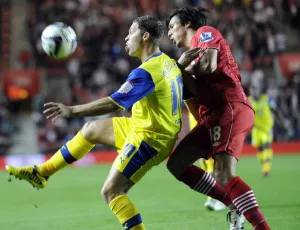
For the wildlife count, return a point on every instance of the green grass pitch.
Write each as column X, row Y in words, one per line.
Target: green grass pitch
column 72, row 200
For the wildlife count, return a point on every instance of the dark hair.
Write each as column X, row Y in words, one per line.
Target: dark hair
column 151, row 25
column 196, row 16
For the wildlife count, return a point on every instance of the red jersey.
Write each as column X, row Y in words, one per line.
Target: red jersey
column 224, row 84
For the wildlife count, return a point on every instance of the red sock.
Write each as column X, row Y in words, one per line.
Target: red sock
column 201, row 181
column 244, row 200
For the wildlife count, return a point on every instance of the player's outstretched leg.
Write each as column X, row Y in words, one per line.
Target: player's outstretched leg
column 208, row 166
column 239, row 192
column 91, row 133
column 180, row 164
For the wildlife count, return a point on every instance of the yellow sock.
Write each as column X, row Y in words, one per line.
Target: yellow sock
column 265, row 155
column 209, row 166
column 266, row 168
column 269, row 153
column 260, row 157
column 127, row 213
column 72, row 151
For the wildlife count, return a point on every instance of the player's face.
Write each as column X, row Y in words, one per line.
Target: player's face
column 134, row 40
column 177, row 32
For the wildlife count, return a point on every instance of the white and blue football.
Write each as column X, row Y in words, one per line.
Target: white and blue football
column 59, row 40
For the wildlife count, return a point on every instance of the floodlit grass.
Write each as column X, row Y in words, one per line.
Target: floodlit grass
column 72, row 200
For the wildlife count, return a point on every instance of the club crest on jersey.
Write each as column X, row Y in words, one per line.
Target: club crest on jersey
column 126, row 87
column 206, row 37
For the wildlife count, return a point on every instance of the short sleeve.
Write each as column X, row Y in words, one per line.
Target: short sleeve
column 138, row 85
column 207, row 37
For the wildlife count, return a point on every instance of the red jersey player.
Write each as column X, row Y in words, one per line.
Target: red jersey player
column 224, row 113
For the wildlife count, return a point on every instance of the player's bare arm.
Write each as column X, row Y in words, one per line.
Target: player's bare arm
column 208, row 61
column 96, row 108
column 187, row 57
column 206, row 64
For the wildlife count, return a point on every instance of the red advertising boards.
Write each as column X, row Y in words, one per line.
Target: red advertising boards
column 290, row 64
column 20, row 84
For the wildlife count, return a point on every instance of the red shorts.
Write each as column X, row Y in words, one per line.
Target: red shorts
column 224, row 129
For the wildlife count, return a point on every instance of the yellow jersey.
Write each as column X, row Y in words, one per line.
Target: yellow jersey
column 154, row 90
column 263, row 119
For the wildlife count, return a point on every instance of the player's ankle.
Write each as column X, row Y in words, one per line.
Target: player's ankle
column 40, row 171
column 43, row 170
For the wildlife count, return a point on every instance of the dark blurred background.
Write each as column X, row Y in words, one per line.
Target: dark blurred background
column 263, row 35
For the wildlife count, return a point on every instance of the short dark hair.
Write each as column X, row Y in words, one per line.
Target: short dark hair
column 196, row 16
column 151, row 25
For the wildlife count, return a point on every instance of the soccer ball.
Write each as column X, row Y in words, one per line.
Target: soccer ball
column 59, row 40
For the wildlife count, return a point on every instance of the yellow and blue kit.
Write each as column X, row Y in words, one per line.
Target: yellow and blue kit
column 154, row 90
column 263, row 121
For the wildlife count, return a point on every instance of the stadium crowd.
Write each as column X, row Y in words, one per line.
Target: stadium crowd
column 6, row 126
column 100, row 64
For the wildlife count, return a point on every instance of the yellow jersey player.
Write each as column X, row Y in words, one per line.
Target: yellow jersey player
column 207, row 165
column 154, row 90
column 261, row 134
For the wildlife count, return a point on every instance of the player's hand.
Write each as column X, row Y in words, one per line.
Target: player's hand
column 188, row 56
column 55, row 110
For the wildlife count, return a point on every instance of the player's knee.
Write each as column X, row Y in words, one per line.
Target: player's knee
column 222, row 175
column 170, row 166
column 109, row 192
column 225, row 166
column 173, row 167
column 89, row 131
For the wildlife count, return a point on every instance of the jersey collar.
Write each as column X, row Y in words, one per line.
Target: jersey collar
column 154, row 55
